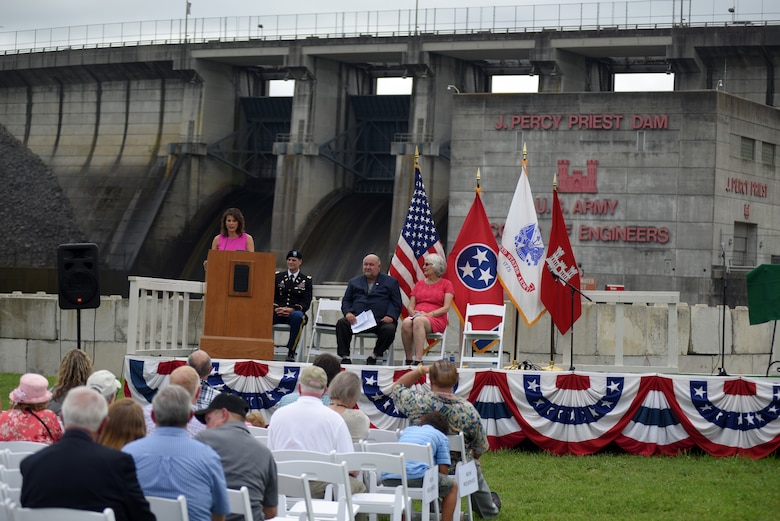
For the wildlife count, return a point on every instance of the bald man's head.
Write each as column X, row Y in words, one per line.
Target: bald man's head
column 188, row 378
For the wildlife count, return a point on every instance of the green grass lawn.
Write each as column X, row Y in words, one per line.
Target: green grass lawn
column 534, row 485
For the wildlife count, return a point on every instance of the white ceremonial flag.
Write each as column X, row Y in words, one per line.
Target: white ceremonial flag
column 521, row 252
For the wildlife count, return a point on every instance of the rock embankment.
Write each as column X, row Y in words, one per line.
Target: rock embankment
column 35, row 215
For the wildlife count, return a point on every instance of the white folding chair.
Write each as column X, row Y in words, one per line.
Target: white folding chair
column 11, row 477
column 327, row 314
column 10, row 493
column 436, row 351
column 10, row 459
column 467, row 483
column 495, row 353
column 302, row 455
column 328, row 311
column 381, row 435
column 380, row 499
column 342, row 509
column 257, row 431
column 294, row 489
column 6, row 509
column 169, row 509
column 429, row 492
column 240, row 504
column 22, row 446
column 60, row 514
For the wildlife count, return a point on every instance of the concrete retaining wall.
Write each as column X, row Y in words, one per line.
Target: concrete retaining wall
column 35, row 334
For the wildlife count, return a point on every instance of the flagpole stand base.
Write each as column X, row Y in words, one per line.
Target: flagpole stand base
column 552, row 367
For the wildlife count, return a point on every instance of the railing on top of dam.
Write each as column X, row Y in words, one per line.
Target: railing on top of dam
column 648, row 14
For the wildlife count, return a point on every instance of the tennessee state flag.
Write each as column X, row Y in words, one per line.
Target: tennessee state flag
column 472, row 264
column 556, row 296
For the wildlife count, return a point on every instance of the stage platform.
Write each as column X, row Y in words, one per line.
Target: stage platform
column 559, row 411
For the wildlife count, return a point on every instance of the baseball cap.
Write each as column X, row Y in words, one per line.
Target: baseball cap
column 231, row 402
column 294, row 253
column 313, row 377
column 104, row 382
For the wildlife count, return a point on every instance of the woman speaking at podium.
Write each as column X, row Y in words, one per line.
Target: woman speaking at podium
column 232, row 236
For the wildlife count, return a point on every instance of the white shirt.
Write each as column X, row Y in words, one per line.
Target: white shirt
column 307, row 424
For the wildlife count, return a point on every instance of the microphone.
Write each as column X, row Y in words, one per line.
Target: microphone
column 555, row 275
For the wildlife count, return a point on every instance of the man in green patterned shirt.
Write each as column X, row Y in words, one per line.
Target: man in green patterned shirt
column 460, row 413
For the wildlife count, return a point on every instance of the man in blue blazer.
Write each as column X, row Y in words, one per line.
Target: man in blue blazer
column 376, row 292
column 76, row 472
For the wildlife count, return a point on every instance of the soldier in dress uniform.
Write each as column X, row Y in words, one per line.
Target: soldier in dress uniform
column 292, row 299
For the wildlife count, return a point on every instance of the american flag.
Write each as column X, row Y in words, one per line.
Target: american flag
column 418, row 238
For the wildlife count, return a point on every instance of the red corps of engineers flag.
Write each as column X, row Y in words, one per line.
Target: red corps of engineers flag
column 472, row 264
column 556, row 296
column 418, row 238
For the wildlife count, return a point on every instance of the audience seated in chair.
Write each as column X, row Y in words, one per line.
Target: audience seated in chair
column 78, row 473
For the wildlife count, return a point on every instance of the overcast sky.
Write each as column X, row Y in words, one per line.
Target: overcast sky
column 33, row 14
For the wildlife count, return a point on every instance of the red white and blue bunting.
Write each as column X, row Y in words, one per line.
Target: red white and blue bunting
column 560, row 412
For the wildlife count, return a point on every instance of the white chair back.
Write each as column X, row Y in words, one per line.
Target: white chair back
column 257, row 431
column 429, row 492
column 335, row 473
column 465, row 473
column 169, row 509
column 60, row 514
column 380, row 499
column 11, row 477
column 22, row 446
column 10, row 493
column 10, row 459
column 495, row 353
column 302, row 455
column 240, row 504
column 328, row 311
column 382, row 435
column 6, row 509
column 294, row 489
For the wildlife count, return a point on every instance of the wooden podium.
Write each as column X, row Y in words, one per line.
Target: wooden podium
column 239, row 304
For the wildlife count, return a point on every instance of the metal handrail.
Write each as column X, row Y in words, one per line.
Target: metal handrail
column 649, row 14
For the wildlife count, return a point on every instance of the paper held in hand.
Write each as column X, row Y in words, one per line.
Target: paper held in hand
column 364, row 321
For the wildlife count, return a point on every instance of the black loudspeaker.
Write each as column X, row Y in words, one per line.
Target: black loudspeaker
column 77, row 276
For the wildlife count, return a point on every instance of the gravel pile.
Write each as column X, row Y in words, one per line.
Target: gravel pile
column 35, row 215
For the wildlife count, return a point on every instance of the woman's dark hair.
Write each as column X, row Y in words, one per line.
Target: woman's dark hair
column 329, row 363
column 436, row 420
column 236, row 213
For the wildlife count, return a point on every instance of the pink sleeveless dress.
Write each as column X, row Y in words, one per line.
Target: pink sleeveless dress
column 232, row 243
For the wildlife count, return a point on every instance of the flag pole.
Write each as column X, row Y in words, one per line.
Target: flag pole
column 552, row 366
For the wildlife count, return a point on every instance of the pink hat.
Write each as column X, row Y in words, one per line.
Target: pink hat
column 33, row 388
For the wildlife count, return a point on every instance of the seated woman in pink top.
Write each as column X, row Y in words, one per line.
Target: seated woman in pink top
column 232, row 235
column 428, row 307
column 28, row 419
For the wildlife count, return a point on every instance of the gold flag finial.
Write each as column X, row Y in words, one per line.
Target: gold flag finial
column 478, row 175
column 525, row 152
column 555, row 180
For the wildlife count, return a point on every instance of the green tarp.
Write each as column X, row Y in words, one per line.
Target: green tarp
column 763, row 288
